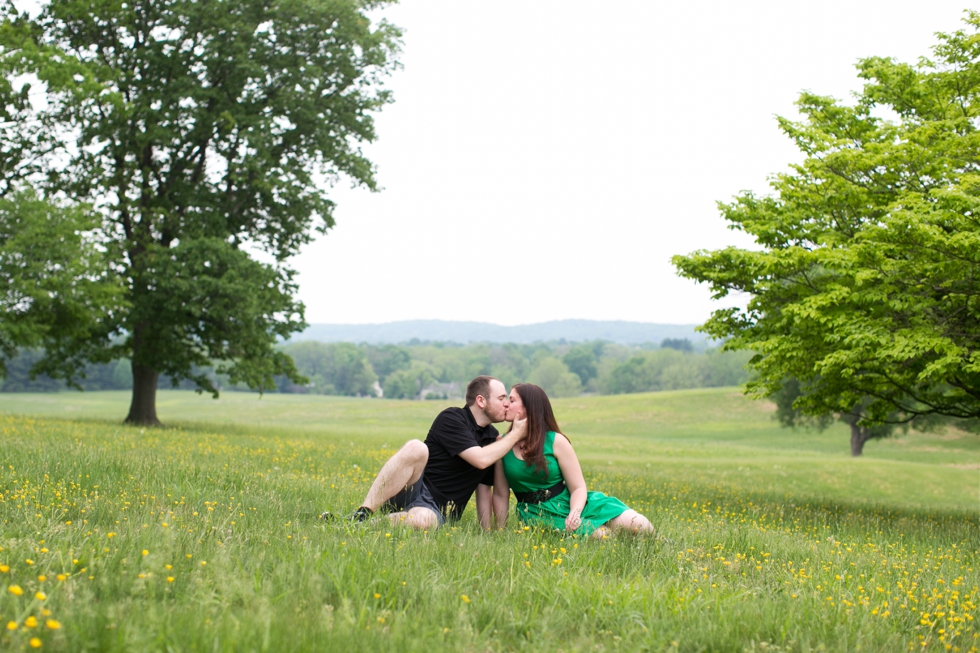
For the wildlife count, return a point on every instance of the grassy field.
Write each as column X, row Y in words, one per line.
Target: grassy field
column 203, row 535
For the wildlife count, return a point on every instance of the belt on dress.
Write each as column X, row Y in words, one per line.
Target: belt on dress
column 540, row 495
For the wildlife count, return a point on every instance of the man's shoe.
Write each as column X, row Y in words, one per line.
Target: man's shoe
column 359, row 515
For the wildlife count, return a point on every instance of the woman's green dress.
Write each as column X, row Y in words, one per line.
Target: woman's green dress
column 552, row 513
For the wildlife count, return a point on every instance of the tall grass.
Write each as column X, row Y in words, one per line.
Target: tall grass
column 204, row 536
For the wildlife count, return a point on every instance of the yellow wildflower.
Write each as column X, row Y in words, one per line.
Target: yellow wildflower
column 31, row 622
column 35, row 642
column 15, row 590
column 52, row 624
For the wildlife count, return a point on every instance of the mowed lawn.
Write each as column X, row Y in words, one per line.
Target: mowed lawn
column 203, row 535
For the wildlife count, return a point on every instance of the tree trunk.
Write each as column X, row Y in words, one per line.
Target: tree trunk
column 143, row 409
column 859, row 435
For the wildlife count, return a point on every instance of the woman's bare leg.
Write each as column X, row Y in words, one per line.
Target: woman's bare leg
column 601, row 533
column 630, row 521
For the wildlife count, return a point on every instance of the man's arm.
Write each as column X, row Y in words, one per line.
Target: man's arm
column 483, row 457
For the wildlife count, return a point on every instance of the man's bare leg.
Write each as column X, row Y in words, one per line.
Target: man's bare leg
column 403, row 469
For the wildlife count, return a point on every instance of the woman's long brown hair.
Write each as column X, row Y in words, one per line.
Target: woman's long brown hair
column 540, row 420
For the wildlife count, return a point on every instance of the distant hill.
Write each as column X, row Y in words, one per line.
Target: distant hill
column 626, row 333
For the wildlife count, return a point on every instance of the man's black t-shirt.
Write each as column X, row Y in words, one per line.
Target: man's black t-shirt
column 450, row 479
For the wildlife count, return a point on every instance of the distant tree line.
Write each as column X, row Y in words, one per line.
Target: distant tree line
column 420, row 370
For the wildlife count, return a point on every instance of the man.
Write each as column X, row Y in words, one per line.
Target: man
column 426, row 483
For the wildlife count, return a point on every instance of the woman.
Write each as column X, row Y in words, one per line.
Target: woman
column 547, row 480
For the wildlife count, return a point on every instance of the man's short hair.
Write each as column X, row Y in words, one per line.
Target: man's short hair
column 478, row 387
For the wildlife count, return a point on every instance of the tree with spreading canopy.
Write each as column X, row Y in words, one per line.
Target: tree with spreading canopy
column 204, row 135
column 864, row 290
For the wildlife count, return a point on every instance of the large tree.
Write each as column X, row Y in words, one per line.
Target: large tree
column 864, row 290
column 203, row 132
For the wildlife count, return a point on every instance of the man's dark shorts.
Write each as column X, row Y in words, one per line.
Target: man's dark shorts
column 414, row 496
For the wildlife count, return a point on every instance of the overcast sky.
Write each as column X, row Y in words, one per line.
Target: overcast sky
column 544, row 159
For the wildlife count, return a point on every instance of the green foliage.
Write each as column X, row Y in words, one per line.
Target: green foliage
column 19, row 378
column 408, row 383
column 419, row 370
column 387, row 359
column 789, row 414
column 57, row 291
column 200, row 131
column 555, row 378
column 864, row 285
column 670, row 369
column 212, row 302
column 114, row 375
column 680, row 344
column 334, row 369
column 543, row 364
column 581, row 361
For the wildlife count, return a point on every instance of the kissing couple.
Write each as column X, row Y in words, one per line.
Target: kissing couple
column 425, row 484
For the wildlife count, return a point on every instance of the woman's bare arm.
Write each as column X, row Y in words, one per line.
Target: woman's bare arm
column 574, row 480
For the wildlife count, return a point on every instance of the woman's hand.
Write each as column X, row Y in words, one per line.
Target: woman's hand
column 573, row 521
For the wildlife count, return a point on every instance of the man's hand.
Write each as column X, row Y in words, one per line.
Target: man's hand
column 519, row 430
column 483, row 457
